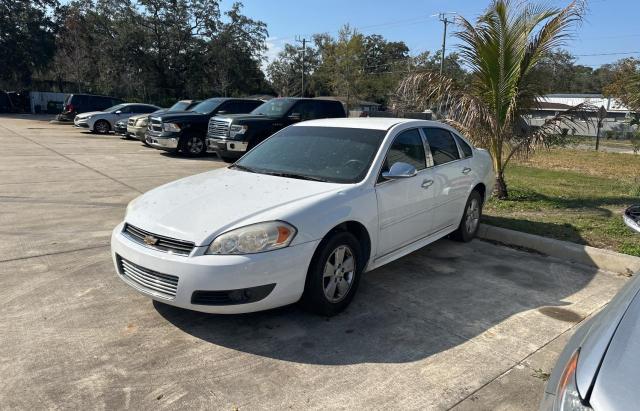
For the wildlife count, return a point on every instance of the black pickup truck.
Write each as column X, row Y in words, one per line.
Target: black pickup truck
column 185, row 131
column 230, row 136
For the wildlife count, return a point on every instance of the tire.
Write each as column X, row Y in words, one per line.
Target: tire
column 324, row 294
column 101, row 127
column 470, row 218
column 193, row 145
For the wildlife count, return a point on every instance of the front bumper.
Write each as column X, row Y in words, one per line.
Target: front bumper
column 82, row 123
column 162, row 142
column 227, row 148
column 120, row 130
column 136, row 132
column 286, row 268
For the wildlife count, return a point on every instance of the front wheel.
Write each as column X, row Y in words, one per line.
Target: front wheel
column 334, row 274
column 101, row 127
column 193, row 145
column 470, row 219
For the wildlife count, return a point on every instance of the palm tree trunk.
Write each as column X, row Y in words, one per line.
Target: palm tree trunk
column 501, row 187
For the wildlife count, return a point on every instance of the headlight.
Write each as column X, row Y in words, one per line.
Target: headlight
column 237, row 130
column 567, row 395
column 255, row 238
column 88, row 118
column 142, row 122
column 170, row 127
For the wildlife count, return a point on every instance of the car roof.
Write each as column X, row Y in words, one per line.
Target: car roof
column 374, row 123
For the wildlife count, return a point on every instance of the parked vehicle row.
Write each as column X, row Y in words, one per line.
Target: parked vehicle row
column 230, row 136
column 185, row 131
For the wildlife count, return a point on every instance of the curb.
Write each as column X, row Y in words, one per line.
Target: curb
column 583, row 254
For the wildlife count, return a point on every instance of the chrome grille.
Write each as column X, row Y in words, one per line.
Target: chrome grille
column 162, row 285
column 155, row 124
column 218, row 128
column 162, row 243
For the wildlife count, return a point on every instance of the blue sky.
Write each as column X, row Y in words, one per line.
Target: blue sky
column 611, row 26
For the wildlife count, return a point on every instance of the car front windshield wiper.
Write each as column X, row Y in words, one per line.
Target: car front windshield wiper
column 293, row 175
column 243, row 168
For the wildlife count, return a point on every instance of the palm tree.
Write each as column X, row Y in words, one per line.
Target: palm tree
column 501, row 51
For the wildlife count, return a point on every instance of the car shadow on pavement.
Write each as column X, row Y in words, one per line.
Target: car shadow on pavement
column 430, row 301
column 205, row 157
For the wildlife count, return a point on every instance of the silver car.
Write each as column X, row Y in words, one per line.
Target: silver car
column 599, row 369
column 103, row 122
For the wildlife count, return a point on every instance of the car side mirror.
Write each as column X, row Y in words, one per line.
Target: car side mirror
column 295, row 117
column 400, row 170
column 632, row 217
column 119, row 112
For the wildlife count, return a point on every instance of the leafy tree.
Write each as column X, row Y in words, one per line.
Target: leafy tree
column 285, row 71
column 625, row 83
column 27, row 35
column 502, row 49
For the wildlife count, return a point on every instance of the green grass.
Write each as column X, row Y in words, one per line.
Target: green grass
column 569, row 195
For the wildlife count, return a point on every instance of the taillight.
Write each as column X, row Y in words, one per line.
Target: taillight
column 69, row 107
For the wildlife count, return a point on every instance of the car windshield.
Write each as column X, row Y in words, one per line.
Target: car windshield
column 331, row 154
column 115, row 108
column 274, row 108
column 207, row 106
column 179, row 106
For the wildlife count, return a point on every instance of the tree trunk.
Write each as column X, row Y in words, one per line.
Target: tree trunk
column 501, row 187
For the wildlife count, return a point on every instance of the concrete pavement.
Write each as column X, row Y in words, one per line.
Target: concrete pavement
column 463, row 326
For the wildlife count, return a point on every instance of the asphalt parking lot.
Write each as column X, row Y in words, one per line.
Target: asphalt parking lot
column 462, row 326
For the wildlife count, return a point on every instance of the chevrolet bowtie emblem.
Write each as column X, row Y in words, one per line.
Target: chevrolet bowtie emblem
column 150, row 240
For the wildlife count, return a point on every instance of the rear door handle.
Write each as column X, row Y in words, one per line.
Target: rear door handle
column 466, row 170
column 427, row 183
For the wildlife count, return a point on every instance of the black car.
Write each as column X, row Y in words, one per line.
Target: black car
column 185, row 131
column 230, row 136
column 82, row 103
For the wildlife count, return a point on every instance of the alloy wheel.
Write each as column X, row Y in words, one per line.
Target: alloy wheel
column 195, row 145
column 473, row 216
column 339, row 273
column 102, row 127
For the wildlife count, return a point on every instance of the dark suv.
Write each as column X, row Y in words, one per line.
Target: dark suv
column 83, row 103
column 231, row 136
column 185, row 131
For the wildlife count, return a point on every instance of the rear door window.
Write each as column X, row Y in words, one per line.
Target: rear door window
column 442, row 145
column 466, row 148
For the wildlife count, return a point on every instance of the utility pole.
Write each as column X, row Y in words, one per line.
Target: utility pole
column 443, row 17
column 304, row 49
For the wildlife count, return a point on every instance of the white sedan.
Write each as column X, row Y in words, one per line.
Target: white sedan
column 303, row 215
column 102, row 122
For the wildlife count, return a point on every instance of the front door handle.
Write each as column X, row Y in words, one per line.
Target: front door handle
column 466, row 170
column 427, row 183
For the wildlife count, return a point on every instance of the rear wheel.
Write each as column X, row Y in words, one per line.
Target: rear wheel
column 101, row 127
column 334, row 275
column 470, row 219
column 193, row 145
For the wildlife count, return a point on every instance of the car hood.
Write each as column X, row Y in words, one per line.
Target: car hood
column 199, row 207
column 179, row 115
column 606, row 342
column 90, row 113
column 248, row 118
column 616, row 383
